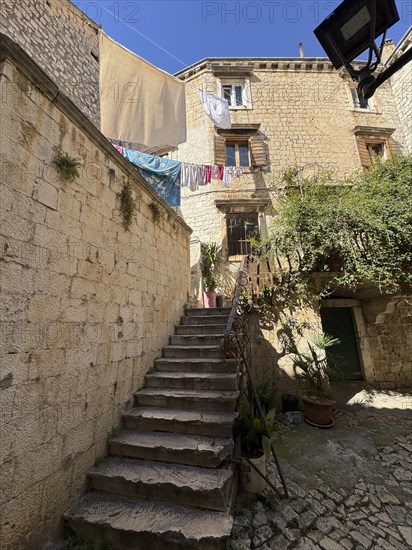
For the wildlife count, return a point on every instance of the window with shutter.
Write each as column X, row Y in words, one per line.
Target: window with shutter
column 374, row 142
column 241, row 147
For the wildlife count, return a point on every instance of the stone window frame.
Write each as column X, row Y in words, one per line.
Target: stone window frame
column 368, row 137
column 239, row 206
column 257, row 146
column 244, row 83
column 355, row 102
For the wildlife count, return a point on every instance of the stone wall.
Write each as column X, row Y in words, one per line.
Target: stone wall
column 85, row 306
column 63, row 41
column 402, row 86
column 388, row 324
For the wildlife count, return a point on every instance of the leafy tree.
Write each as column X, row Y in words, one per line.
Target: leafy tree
column 359, row 230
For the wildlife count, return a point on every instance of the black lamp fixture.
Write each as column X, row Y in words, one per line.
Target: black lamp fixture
column 352, row 29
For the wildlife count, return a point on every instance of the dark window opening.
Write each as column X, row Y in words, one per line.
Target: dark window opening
column 241, row 228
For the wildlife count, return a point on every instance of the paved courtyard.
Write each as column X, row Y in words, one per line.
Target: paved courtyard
column 350, row 486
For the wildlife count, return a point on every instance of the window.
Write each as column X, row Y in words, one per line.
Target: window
column 357, row 103
column 243, row 145
column 237, row 153
column 233, row 93
column 236, row 93
column 375, row 150
column 240, row 228
column 375, row 142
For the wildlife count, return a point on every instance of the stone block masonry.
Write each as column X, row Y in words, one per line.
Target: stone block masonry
column 85, row 307
column 63, row 41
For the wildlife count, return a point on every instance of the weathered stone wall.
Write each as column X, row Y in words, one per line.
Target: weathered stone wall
column 63, row 41
column 402, row 86
column 307, row 116
column 85, row 306
column 388, row 326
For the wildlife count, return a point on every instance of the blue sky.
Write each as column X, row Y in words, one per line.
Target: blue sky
column 176, row 33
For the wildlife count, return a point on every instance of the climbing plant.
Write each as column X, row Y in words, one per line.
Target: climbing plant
column 358, row 230
column 127, row 205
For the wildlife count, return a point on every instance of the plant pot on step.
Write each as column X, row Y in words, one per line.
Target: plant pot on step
column 251, row 481
column 318, row 413
column 209, row 298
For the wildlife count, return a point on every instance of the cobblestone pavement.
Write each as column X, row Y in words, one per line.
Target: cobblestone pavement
column 350, row 486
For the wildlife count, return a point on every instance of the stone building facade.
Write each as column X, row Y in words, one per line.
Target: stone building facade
column 85, row 307
column 63, row 41
column 402, row 88
column 289, row 114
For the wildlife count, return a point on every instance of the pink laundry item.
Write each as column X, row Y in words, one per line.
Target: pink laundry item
column 220, row 172
column 208, row 174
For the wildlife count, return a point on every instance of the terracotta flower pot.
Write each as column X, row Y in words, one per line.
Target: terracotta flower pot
column 251, row 481
column 209, row 298
column 318, row 413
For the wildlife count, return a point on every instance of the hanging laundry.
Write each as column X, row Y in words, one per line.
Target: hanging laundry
column 216, row 108
column 238, row 172
column 200, row 174
column 139, row 103
column 220, row 172
column 227, row 176
column 119, row 148
column 208, row 174
column 193, row 177
column 162, row 174
column 185, row 174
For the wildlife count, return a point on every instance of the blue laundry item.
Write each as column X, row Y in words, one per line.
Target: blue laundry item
column 162, row 174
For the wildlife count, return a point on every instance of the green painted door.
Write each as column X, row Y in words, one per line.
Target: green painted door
column 338, row 322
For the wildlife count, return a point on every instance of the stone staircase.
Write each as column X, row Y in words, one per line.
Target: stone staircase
column 168, row 483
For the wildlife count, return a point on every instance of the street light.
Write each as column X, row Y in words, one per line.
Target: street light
column 353, row 28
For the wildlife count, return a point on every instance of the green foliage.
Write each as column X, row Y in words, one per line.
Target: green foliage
column 127, row 205
column 156, row 215
column 211, row 254
column 359, row 230
column 68, row 166
column 314, row 367
column 254, row 436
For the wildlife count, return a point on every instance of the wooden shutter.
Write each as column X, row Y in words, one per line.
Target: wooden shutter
column 364, row 153
column 220, row 150
column 259, row 153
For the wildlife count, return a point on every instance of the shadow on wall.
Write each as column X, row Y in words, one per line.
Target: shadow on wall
column 269, row 357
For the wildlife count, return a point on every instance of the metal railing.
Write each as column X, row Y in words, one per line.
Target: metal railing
column 238, row 345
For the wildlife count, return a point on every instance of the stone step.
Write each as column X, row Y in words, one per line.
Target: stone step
column 192, row 450
column 204, row 320
column 197, row 340
column 136, row 524
column 208, row 423
column 189, row 485
column 181, row 364
column 193, row 351
column 203, row 400
column 207, row 311
column 192, row 380
column 200, row 329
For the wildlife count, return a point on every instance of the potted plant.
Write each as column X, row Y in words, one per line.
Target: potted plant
column 255, row 440
column 317, row 369
column 211, row 254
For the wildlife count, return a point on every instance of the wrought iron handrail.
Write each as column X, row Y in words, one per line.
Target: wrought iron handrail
column 237, row 344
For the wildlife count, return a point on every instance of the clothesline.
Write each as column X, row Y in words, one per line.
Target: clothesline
column 185, row 174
